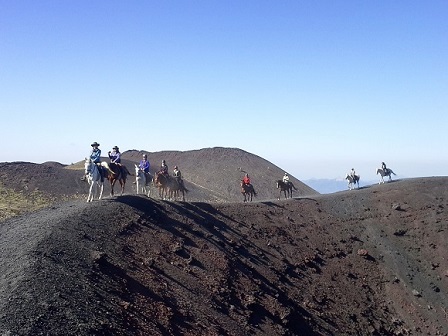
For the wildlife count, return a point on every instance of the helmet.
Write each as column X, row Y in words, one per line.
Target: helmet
column 175, row 167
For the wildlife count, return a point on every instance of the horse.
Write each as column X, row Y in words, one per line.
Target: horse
column 383, row 173
column 248, row 192
column 352, row 181
column 286, row 187
column 142, row 182
column 174, row 187
column 161, row 182
column 94, row 179
column 116, row 173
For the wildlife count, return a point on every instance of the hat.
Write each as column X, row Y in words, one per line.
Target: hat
column 115, row 147
column 95, row 144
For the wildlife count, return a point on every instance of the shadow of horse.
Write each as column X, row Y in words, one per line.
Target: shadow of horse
column 287, row 188
column 248, row 191
column 116, row 173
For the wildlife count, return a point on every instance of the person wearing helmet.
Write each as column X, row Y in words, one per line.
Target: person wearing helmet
column 353, row 173
column 144, row 164
column 285, row 178
column 164, row 169
column 178, row 176
column 384, row 168
column 177, row 173
column 115, row 155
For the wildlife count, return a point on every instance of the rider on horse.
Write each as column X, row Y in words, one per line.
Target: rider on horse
column 95, row 157
column 178, row 176
column 115, row 157
column 144, row 166
column 384, row 168
column 353, row 174
column 285, row 179
column 164, row 169
column 245, row 182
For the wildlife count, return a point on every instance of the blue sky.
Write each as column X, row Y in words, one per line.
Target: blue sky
column 315, row 87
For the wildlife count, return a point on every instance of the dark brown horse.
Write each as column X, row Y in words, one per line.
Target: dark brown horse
column 117, row 173
column 287, row 188
column 248, row 191
column 175, row 187
column 161, row 182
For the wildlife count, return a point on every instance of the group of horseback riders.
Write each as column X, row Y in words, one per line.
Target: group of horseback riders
column 144, row 165
column 355, row 177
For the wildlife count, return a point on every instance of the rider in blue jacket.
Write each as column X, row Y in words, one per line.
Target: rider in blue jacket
column 95, row 154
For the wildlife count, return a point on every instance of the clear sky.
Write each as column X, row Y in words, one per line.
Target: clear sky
column 315, row 87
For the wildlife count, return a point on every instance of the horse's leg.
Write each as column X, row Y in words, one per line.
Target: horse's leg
column 90, row 197
column 112, row 184
column 101, row 189
column 123, row 184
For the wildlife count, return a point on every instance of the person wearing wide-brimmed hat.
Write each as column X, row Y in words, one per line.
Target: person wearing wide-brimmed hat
column 115, row 155
column 95, row 154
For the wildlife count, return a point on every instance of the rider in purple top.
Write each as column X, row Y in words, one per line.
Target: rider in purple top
column 115, row 155
column 144, row 164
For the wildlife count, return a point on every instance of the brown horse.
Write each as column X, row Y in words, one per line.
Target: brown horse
column 117, row 173
column 161, row 182
column 175, row 187
column 287, row 188
column 248, row 191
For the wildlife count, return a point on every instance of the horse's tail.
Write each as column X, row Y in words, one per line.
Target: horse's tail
column 392, row 171
column 293, row 186
column 106, row 165
column 126, row 171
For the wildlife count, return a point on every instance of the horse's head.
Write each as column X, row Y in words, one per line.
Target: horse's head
column 137, row 170
column 87, row 165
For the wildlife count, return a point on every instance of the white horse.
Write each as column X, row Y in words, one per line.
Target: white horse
column 383, row 173
column 352, row 181
column 141, row 181
column 93, row 176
